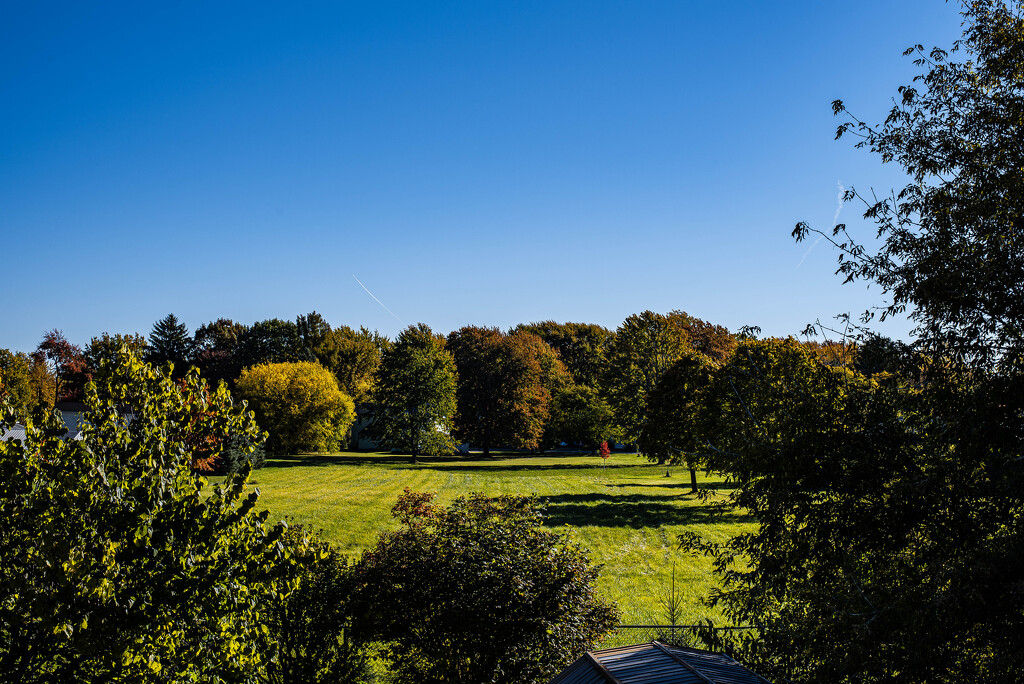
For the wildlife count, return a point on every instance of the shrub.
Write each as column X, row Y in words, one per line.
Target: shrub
column 477, row 592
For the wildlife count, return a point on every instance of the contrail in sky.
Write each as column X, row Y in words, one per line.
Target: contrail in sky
column 377, row 300
column 835, row 222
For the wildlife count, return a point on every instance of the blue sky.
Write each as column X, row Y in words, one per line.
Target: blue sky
column 482, row 163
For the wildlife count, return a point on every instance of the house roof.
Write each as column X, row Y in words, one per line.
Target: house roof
column 656, row 663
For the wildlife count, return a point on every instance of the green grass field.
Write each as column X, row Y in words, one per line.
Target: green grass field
column 626, row 513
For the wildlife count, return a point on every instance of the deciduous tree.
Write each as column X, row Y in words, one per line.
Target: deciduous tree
column 299, row 404
column 414, row 396
column 271, row 341
column 16, row 379
column 889, row 541
column 66, row 364
column 582, row 347
column 674, row 431
column 115, row 564
column 579, row 416
column 215, row 350
column 644, row 347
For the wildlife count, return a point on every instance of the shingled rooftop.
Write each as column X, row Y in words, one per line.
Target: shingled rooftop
column 656, row 663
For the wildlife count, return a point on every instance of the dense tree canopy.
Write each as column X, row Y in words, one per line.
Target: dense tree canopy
column 477, row 592
column 644, row 347
column 674, row 431
column 16, row 379
column 505, row 386
column 115, row 565
column 271, row 341
column 579, row 416
column 414, row 396
column 106, row 347
column 299, row 404
column 582, row 347
column 215, row 350
column 353, row 356
column 890, row 540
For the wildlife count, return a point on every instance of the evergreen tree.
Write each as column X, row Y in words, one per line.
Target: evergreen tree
column 170, row 342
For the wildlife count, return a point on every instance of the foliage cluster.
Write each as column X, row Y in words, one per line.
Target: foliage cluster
column 890, row 545
column 299, row 404
column 477, row 592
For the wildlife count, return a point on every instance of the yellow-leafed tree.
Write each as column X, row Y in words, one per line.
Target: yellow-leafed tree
column 299, row 404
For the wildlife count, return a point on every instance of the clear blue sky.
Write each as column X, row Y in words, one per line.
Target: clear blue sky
column 480, row 163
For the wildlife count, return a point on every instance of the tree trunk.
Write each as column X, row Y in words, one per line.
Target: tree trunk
column 693, row 480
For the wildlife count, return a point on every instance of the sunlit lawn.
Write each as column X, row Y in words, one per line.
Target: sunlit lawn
column 626, row 512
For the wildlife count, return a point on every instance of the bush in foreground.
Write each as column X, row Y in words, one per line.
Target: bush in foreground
column 114, row 564
column 477, row 592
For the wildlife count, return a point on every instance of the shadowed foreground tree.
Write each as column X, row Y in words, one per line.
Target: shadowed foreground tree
column 115, row 565
column 477, row 592
column 890, row 540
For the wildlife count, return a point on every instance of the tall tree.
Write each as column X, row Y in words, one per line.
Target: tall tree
column 106, row 347
column 414, row 395
column 673, row 431
column 353, row 356
column 644, row 347
column 505, row 386
column 170, row 342
column 66, row 364
column 890, row 536
column 578, row 416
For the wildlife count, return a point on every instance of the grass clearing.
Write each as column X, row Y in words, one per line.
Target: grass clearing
column 626, row 513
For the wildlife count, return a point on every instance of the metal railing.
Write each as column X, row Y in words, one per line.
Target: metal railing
column 676, row 635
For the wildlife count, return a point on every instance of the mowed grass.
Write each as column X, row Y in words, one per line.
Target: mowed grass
column 625, row 512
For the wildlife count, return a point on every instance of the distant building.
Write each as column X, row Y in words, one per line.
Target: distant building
column 656, row 663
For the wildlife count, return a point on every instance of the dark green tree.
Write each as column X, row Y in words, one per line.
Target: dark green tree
column 582, row 347
column 673, row 431
column 579, row 416
column 414, row 396
column 170, row 342
column 477, row 592
column 215, row 350
column 889, row 539
column 271, row 341
column 644, row 347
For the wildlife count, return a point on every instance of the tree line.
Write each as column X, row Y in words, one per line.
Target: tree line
column 534, row 386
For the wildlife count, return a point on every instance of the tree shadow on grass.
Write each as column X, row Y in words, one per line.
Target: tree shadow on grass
column 670, row 484
column 630, row 510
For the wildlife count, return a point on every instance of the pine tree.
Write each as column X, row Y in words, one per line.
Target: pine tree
column 170, row 342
